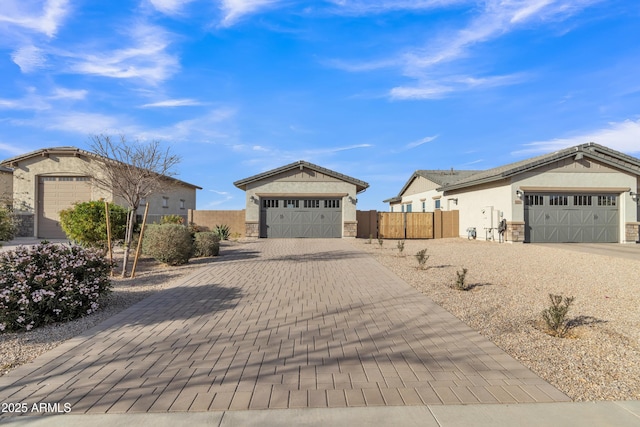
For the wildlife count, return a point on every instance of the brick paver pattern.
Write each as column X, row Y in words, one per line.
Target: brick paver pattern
column 278, row 324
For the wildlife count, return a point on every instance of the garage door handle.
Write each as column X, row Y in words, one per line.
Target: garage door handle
column 281, row 216
column 595, row 217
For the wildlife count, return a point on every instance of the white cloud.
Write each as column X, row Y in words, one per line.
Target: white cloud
column 62, row 93
column 35, row 16
column 169, row 7
column 29, row 58
column 12, row 149
column 381, row 6
column 420, row 142
column 81, row 123
column 185, row 102
column 427, row 65
column 222, row 193
column 438, row 88
column 235, row 9
column 146, row 58
column 622, row 136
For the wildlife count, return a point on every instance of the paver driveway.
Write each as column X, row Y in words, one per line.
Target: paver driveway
column 278, row 324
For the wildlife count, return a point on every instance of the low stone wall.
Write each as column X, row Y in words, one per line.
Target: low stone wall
column 515, row 232
column 26, row 225
column 632, row 232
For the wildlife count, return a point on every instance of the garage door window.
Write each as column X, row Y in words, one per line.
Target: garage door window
column 534, row 200
column 292, row 204
column 270, row 203
column 332, row 203
column 558, row 200
column 607, row 200
column 314, row 204
column 581, row 200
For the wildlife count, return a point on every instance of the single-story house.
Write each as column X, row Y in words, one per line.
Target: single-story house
column 301, row 200
column 49, row 180
column 585, row 193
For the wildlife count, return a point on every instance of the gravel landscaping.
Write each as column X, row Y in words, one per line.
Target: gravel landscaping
column 510, row 286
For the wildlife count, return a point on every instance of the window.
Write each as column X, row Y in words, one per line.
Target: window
column 558, row 200
column 438, row 204
column 581, row 200
column 424, row 206
column 48, row 178
column 607, row 200
column 181, row 203
column 292, row 204
column 270, row 203
column 402, row 208
column 333, row 203
column 83, row 178
column 165, row 202
column 409, row 207
column 532, row 200
column 67, row 178
column 313, row 204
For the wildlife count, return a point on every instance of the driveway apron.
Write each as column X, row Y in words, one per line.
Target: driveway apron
column 278, row 324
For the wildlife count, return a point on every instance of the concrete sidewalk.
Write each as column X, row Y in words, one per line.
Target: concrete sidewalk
column 583, row 414
column 286, row 324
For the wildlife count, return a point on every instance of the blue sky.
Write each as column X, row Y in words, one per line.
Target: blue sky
column 373, row 89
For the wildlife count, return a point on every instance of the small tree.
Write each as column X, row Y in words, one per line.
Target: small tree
column 7, row 225
column 132, row 171
column 86, row 223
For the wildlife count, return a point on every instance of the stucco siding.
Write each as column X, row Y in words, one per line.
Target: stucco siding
column 6, row 188
column 418, row 186
column 299, row 188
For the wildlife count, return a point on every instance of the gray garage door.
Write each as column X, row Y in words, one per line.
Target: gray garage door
column 575, row 218
column 56, row 193
column 297, row 217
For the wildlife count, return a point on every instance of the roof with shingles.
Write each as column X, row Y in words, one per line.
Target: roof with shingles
column 437, row 176
column 71, row 151
column 595, row 151
column 242, row 184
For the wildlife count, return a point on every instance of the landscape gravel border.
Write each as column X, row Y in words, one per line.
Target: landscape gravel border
column 510, row 284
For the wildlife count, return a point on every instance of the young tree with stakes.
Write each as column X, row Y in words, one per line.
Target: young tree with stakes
column 132, row 171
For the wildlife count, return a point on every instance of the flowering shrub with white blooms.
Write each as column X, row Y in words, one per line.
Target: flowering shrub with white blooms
column 49, row 283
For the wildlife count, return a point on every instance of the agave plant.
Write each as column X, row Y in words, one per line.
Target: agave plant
column 222, row 231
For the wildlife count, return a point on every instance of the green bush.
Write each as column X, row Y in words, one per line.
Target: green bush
column 422, row 258
column 168, row 243
column 7, row 225
column 50, row 283
column 461, row 280
column 171, row 219
column 206, row 244
column 555, row 316
column 85, row 223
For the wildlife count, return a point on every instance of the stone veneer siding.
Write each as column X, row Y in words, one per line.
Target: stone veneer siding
column 515, row 232
column 252, row 229
column 26, row 225
column 350, row 229
column 632, row 232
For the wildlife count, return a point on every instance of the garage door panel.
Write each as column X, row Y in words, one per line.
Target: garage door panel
column 583, row 218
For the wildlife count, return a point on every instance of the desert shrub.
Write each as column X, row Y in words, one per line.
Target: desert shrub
column 461, row 280
column 400, row 246
column 422, row 257
column 85, row 223
column 380, row 242
column 555, row 316
column 206, row 244
column 168, row 243
column 7, row 225
column 171, row 219
column 222, row 231
column 50, row 283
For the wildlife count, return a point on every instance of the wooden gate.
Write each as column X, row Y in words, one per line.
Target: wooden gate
column 391, row 225
column 419, row 225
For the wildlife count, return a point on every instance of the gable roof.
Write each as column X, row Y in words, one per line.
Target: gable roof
column 440, row 177
column 70, row 151
column 301, row 164
column 592, row 150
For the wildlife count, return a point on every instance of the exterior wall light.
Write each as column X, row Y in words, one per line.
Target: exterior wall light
column 519, row 194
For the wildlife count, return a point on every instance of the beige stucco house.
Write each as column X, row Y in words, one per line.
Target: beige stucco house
column 48, row 180
column 585, row 193
column 301, row 200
